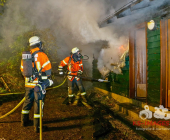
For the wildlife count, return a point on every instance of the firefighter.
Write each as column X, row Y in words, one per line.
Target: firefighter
column 75, row 68
column 36, row 84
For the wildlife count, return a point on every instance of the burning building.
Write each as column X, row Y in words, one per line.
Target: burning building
column 145, row 65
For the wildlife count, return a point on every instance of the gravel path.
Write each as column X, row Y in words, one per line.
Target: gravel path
column 66, row 122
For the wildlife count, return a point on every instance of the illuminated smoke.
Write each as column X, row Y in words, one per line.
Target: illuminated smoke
column 74, row 24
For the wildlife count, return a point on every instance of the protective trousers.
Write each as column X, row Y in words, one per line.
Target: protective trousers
column 32, row 97
column 81, row 92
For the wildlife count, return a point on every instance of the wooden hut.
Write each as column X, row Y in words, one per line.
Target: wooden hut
column 146, row 75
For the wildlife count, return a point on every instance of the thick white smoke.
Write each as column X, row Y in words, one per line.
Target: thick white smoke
column 73, row 22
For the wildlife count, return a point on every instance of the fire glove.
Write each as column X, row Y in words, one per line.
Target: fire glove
column 79, row 73
column 44, row 91
column 51, row 82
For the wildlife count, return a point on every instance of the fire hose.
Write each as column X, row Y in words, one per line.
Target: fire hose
column 85, row 78
column 24, row 99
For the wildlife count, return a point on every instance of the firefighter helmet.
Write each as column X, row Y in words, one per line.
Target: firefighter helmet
column 34, row 40
column 75, row 50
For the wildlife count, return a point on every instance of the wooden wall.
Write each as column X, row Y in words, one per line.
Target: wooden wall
column 120, row 84
column 153, row 53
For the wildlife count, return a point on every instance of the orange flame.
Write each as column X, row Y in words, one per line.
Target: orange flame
column 122, row 49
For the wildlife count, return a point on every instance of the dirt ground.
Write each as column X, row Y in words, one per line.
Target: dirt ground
column 65, row 122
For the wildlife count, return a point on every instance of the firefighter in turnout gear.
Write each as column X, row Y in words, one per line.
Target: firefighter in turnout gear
column 36, row 69
column 75, row 68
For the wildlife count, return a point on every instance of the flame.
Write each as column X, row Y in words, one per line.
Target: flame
column 122, row 49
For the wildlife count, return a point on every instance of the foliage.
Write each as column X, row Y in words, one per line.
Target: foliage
column 2, row 90
column 10, row 55
column 2, row 4
column 10, row 65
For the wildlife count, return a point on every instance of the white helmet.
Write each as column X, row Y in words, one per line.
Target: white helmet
column 74, row 50
column 34, row 40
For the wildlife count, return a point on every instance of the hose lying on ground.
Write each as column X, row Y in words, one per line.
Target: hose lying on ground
column 13, row 109
column 12, row 93
column 24, row 99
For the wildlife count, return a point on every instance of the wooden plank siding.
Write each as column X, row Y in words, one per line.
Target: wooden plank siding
column 154, row 62
column 140, row 57
column 132, row 64
column 137, row 62
column 157, row 66
column 168, row 99
column 165, row 63
column 163, row 86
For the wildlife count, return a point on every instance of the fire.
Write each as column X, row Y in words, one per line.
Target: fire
column 122, row 49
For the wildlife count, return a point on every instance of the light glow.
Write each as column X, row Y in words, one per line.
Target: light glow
column 151, row 25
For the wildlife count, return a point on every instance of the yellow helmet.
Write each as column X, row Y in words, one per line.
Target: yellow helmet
column 75, row 50
column 34, row 40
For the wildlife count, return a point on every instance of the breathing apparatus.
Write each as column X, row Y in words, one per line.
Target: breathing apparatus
column 40, row 46
column 76, row 55
column 31, row 73
column 27, row 64
column 28, row 70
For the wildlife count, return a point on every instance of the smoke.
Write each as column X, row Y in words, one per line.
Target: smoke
column 144, row 11
column 74, row 24
column 12, row 23
column 72, row 20
column 109, row 59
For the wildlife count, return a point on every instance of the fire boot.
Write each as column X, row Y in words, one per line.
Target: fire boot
column 84, row 101
column 25, row 120
column 76, row 100
column 27, row 123
column 37, row 125
column 37, row 129
column 70, row 100
column 65, row 101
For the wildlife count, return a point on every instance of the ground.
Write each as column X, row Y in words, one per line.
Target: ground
column 66, row 122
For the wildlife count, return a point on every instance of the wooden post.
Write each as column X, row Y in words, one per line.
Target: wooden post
column 5, row 84
column 40, row 104
column 131, row 65
column 163, row 86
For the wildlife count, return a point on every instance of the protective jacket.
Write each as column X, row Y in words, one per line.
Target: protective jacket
column 41, row 63
column 73, row 67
